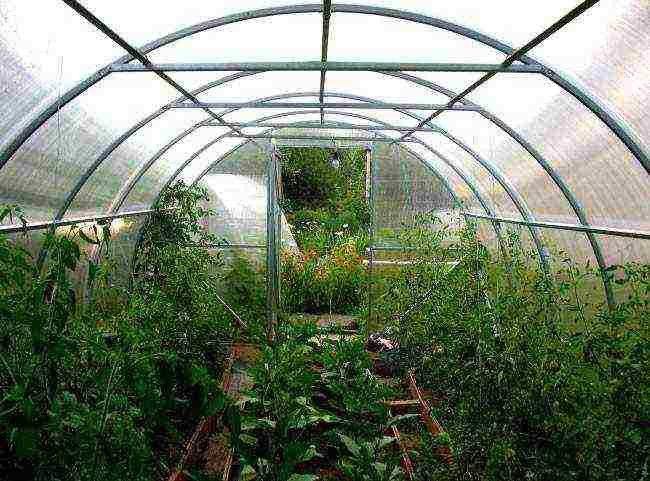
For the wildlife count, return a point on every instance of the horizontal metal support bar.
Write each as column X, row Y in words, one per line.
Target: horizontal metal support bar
column 318, row 125
column 637, row 234
column 317, row 105
column 390, row 248
column 5, row 229
column 331, row 66
column 317, row 137
column 235, row 246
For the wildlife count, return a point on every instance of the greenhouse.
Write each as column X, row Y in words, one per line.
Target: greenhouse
column 359, row 241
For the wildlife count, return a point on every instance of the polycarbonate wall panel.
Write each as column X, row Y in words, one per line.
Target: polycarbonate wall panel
column 518, row 167
column 403, row 188
column 104, row 185
column 237, row 187
column 48, row 165
column 484, row 181
column 604, row 176
column 623, row 250
column 459, row 186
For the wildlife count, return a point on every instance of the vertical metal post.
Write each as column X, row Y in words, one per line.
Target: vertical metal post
column 370, row 179
column 272, row 228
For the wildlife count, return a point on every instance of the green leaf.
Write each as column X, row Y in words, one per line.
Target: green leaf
column 403, row 417
column 248, row 472
column 87, row 238
column 302, row 477
column 248, row 439
column 257, row 423
column 384, row 441
column 24, row 441
column 93, row 270
column 350, row 444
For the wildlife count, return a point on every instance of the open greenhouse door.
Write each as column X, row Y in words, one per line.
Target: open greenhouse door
column 325, row 204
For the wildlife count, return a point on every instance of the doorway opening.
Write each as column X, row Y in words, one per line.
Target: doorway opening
column 325, row 201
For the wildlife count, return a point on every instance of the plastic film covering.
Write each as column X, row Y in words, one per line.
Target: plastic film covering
column 402, row 189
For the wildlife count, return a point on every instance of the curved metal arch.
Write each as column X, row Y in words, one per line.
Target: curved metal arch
column 484, row 204
column 492, row 170
column 615, row 125
column 564, row 189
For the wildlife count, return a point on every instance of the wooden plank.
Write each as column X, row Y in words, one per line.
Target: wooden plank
column 432, row 424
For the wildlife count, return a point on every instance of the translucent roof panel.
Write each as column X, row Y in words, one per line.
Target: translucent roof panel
column 163, row 18
column 50, row 50
column 383, row 87
column 368, row 37
column 604, row 176
column 256, row 40
column 104, row 185
column 512, row 21
column 261, row 85
column 606, row 53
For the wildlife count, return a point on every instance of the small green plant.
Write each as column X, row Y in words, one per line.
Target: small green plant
column 364, row 460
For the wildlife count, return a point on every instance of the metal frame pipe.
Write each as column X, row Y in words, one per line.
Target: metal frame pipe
column 327, row 15
column 8, row 229
column 613, row 231
column 315, row 137
column 319, row 105
column 318, row 125
column 315, row 66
